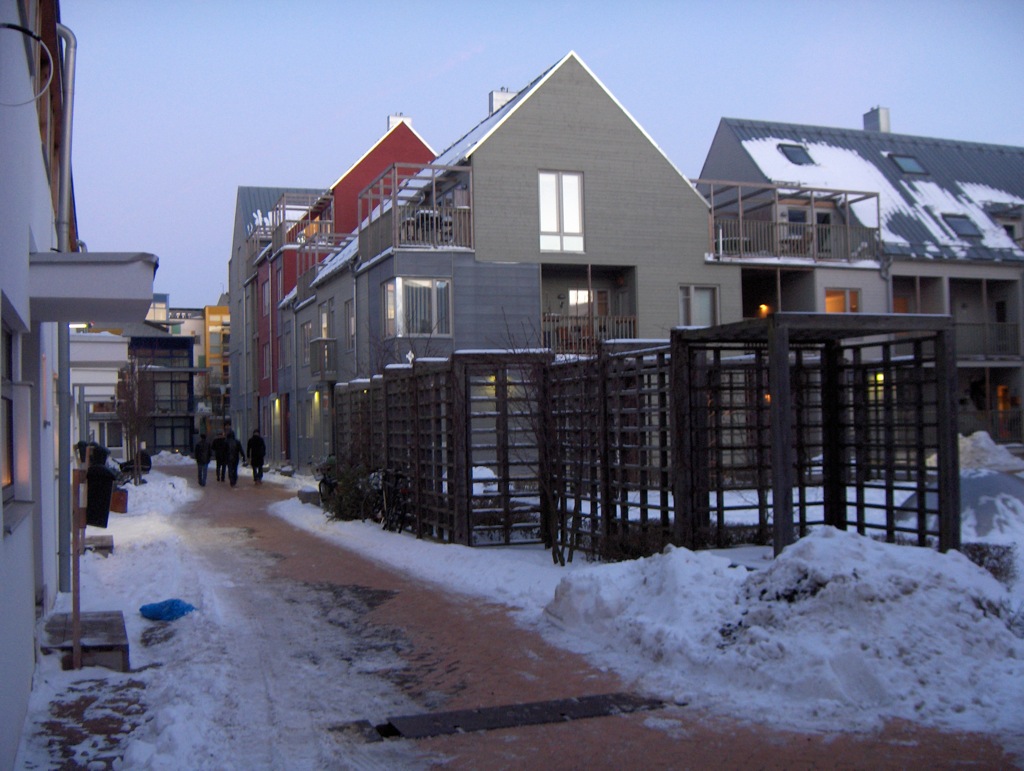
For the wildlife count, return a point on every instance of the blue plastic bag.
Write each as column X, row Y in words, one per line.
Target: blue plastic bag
column 168, row 610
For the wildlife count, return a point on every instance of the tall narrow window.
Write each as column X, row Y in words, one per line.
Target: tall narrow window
column 561, row 211
column 265, row 289
column 305, row 338
column 7, row 414
column 698, row 306
column 350, row 325
column 266, row 360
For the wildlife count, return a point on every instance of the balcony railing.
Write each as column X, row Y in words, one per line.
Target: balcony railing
column 580, row 334
column 417, row 206
column 759, row 220
column 987, row 340
column 323, row 359
column 759, row 238
column 1004, row 426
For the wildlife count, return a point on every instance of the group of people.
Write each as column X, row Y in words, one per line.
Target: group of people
column 227, row 450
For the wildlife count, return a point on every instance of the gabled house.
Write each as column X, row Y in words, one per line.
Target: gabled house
column 46, row 282
column 850, row 220
column 557, row 221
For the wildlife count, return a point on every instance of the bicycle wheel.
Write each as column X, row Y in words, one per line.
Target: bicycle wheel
column 326, row 490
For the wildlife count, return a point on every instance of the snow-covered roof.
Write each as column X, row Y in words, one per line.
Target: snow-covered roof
column 959, row 179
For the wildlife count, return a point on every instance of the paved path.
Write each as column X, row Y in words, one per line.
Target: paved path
column 447, row 652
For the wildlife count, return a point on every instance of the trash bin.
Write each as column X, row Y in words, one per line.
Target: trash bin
column 100, row 481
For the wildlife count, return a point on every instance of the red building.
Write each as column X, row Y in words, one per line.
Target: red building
column 302, row 230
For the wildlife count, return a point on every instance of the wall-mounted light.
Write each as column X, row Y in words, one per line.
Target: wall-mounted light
column 763, row 310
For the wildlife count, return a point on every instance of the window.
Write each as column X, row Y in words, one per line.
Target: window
column 797, row 154
column 962, row 225
column 265, row 289
column 579, row 302
column 350, row 325
column 908, row 164
column 417, row 306
column 698, row 306
column 305, row 338
column 280, row 282
column 7, row 414
column 266, row 360
column 842, row 300
column 327, row 318
column 561, row 211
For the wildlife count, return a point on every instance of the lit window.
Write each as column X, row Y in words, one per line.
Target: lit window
column 963, row 226
column 797, row 154
column 561, row 211
column 908, row 164
column 842, row 300
column 417, row 306
column 698, row 306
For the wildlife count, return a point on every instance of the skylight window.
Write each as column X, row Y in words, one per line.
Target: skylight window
column 908, row 164
column 797, row 154
column 962, row 226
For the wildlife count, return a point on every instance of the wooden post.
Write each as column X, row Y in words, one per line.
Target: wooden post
column 782, row 440
column 948, row 442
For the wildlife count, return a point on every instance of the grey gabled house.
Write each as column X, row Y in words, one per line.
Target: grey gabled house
column 557, row 221
column 865, row 220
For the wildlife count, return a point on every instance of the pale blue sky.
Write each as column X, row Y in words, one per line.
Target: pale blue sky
column 179, row 101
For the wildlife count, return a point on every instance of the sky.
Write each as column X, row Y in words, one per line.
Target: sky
column 180, row 102
column 839, row 630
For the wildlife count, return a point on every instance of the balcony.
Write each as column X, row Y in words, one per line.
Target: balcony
column 323, row 359
column 580, row 334
column 749, row 221
column 987, row 340
column 417, row 206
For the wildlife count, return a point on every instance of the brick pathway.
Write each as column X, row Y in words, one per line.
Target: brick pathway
column 462, row 654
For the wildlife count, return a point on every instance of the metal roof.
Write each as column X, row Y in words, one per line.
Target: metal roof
column 983, row 178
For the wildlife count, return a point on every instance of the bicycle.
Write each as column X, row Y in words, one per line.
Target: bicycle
column 325, row 472
column 395, row 493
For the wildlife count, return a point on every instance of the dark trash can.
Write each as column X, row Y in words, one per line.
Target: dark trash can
column 100, row 481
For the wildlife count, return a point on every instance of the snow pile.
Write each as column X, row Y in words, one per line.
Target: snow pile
column 978, row 451
column 839, row 630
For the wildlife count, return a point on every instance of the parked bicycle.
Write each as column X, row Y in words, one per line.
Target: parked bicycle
column 395, row 493
column 325, row 471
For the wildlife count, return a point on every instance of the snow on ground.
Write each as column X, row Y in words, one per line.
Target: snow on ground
column 838, row 632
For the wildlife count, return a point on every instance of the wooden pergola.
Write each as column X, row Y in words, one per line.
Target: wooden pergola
column 811, row 411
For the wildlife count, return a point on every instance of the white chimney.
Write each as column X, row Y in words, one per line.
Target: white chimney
column 877, row 119
column 498, row 99
column 396, row 118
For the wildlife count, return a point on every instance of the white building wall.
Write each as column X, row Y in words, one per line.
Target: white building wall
column 28, row 548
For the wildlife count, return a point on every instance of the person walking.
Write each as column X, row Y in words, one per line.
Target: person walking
column 201, row 452
column 257, row 451
column 235, row 453
column 220, row 454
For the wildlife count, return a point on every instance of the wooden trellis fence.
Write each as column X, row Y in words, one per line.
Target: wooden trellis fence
column 763, row 428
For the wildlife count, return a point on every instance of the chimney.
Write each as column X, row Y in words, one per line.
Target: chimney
column 396, row 118
column 498, row 99
column 877, row 119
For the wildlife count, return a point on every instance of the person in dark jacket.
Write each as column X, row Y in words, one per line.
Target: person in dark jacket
column 220, row 453
column 202, row 452
column 257, row 450
column 235, row 453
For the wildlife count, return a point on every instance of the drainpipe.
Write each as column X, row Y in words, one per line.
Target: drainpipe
column 64, row 525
